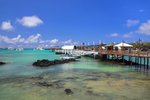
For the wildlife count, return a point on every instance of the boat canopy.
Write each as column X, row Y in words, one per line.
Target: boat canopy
column 123, row 45
column 68, row 47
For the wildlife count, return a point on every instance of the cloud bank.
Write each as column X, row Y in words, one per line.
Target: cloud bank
column 34, row 41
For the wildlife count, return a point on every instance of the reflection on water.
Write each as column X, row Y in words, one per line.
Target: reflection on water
column 88, row 79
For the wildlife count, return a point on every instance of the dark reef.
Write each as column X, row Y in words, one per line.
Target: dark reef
column 46, row 63
column 2, row 63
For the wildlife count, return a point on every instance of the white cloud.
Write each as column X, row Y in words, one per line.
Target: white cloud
column 114, row 35
column 128, row 35
column 131, row 22
column 16, row 39
column 4, row 39
column 33, row 38
column 145, row 28
column 41, row 41
column 67, row 42
column 6, row 25
column 30, row 21
column 54, row 41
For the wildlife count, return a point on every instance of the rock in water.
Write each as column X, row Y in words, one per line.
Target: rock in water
column 45, row 84
column 2, row 63
column 68, row 91
column 46, row 63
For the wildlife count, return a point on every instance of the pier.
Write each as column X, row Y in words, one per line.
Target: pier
column 137, row 58
column 121, row 53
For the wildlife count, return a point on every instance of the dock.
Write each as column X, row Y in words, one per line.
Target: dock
column 121, row 53
column 137, row 58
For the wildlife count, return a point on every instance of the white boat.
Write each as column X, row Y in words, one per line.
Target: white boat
column 19, row 49
column 67, row 57
column 70, row 57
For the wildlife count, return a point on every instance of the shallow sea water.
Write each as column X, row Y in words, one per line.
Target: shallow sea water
column 89, row 79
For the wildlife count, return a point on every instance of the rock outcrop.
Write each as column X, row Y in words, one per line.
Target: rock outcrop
column 46, row 63
column 2, row 63
column 68, row 91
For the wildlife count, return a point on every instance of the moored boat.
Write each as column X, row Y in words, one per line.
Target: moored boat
column 19, row 49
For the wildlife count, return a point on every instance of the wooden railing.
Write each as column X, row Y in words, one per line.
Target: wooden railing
column 126, row 52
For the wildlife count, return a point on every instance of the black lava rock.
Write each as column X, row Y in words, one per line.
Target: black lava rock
column 45, row 84
column 46, row 63
column 68, row 91
column 2, row 63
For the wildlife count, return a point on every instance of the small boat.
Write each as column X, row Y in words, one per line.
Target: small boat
column 67, row 56
column 19, row 49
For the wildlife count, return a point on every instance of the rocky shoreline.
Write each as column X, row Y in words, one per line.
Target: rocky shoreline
column 46, row 63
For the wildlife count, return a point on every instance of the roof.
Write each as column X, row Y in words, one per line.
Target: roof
column 123, row 45
column 68, row 47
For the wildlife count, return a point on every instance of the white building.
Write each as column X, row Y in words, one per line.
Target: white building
column 68, row 49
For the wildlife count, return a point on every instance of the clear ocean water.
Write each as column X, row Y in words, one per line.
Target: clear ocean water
column 89, row 79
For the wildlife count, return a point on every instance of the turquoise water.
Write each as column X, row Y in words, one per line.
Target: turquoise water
column 88, row 78
column 20, row 62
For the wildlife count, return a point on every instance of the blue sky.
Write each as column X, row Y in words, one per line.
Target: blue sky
column 59, row 22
